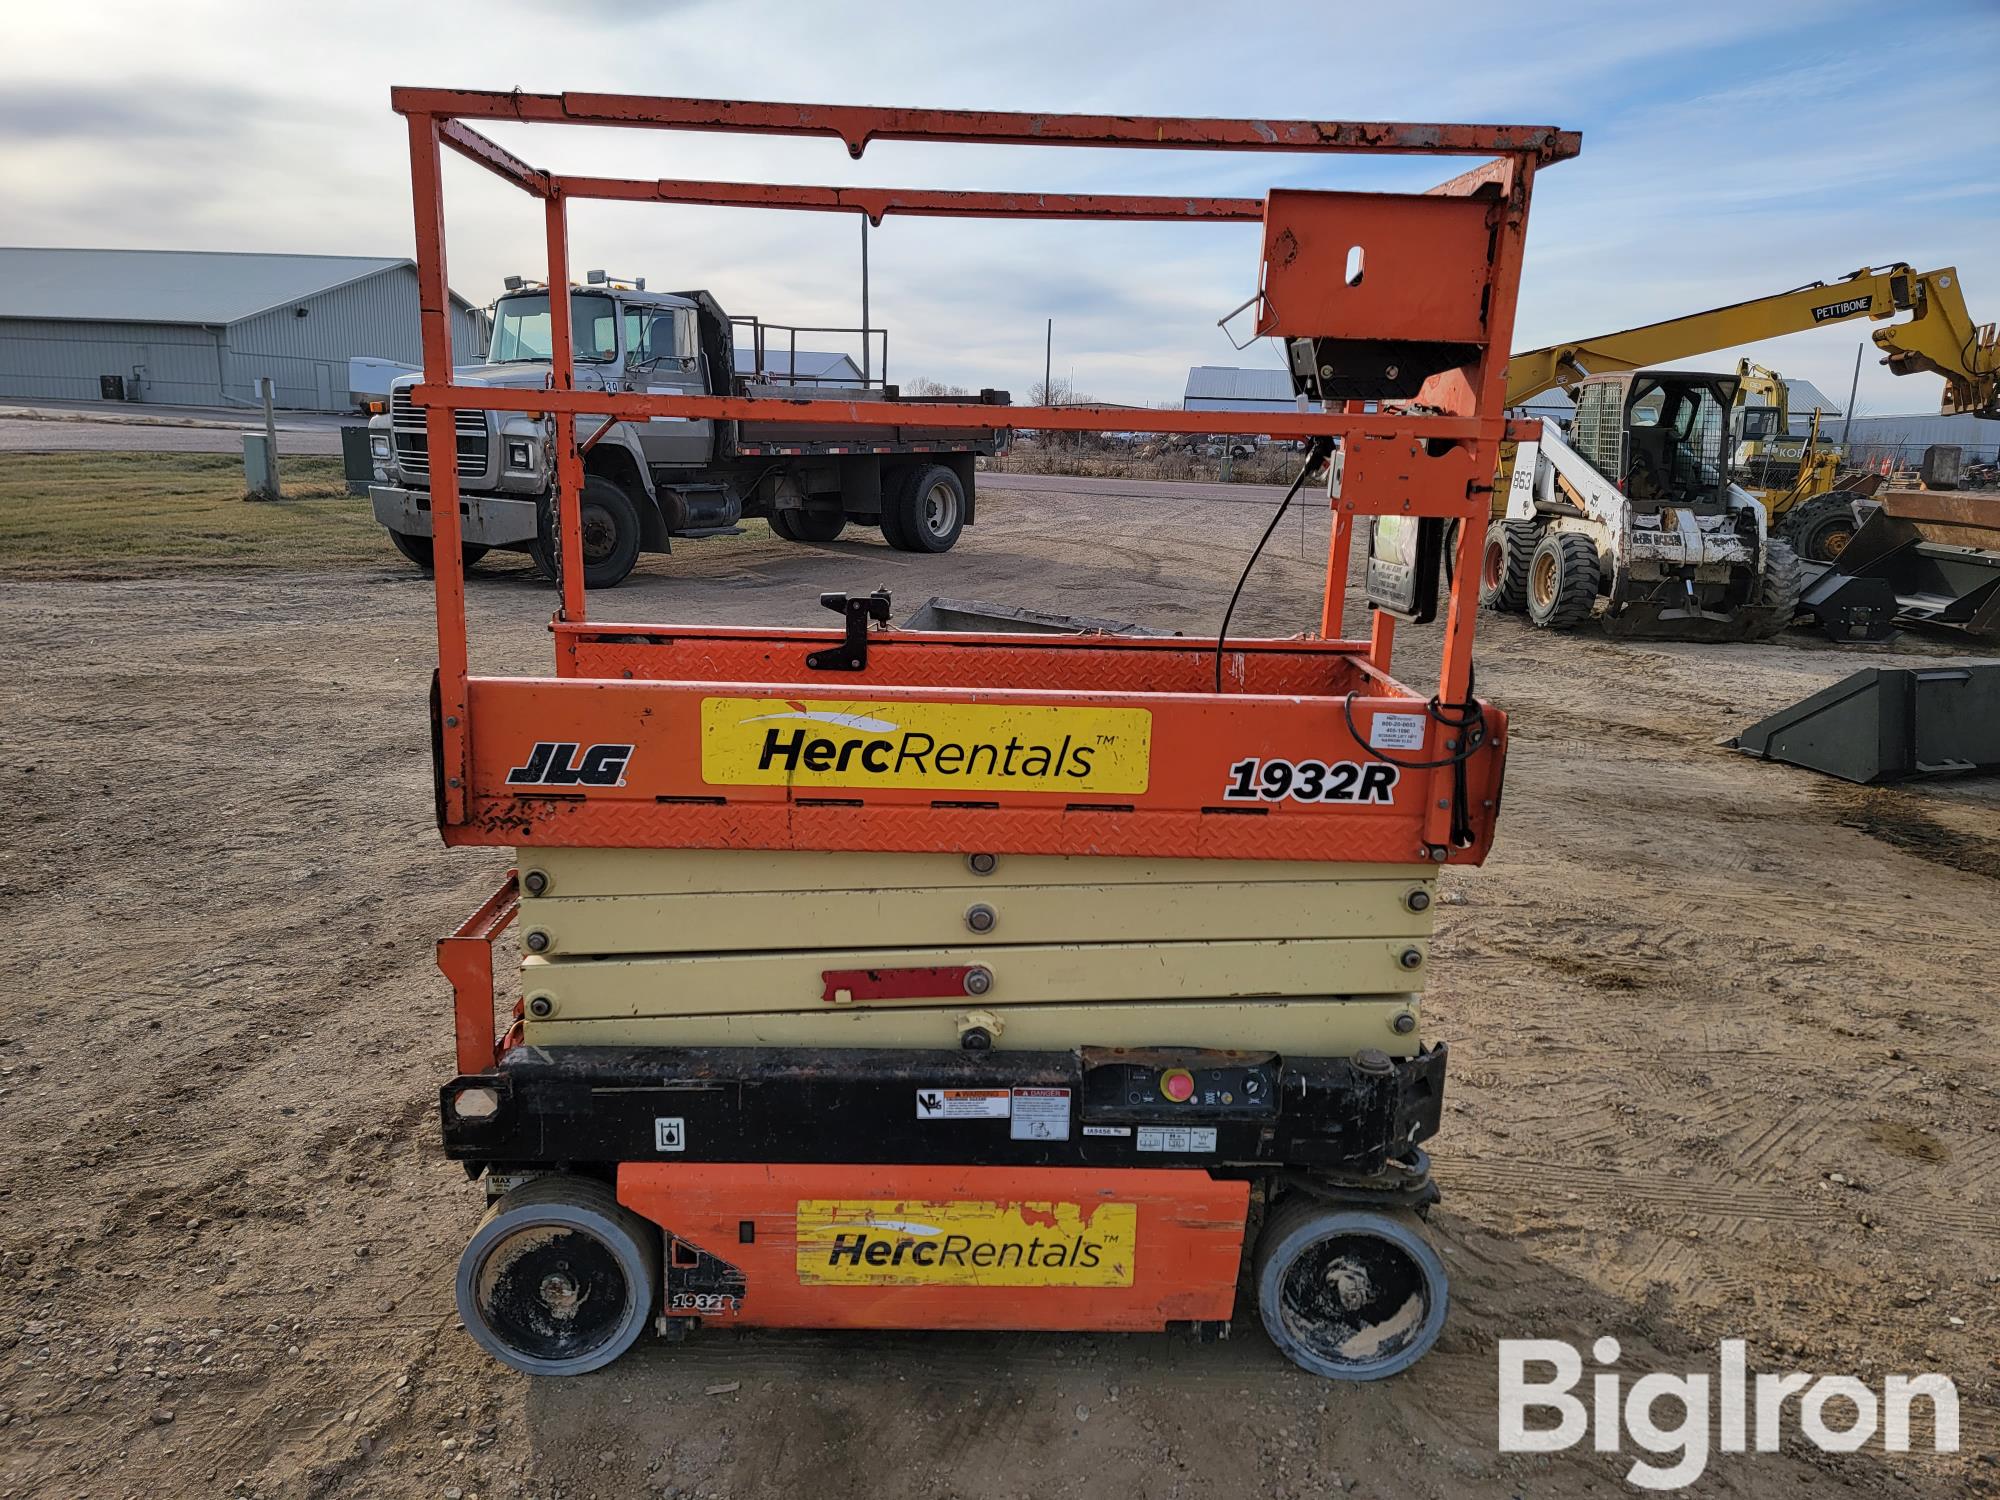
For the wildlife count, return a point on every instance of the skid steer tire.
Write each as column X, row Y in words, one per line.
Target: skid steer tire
column 1503, row 566
column 1820, row 529
column 1562, row 581
column 1782, row 584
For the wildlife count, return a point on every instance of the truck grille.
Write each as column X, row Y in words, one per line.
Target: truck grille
column 406, row 424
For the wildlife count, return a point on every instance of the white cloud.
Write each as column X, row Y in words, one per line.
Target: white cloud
column 1729, row 151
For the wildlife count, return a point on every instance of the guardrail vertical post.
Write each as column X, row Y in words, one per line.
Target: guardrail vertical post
column 562, row 376
column 441, row 435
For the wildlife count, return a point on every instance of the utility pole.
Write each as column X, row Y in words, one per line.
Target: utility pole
column 1847, row 421
column 1048, row 355
column 864, row 300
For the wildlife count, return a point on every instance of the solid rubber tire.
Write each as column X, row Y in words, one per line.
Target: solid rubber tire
column 1302, row 1221
column 563, row 1201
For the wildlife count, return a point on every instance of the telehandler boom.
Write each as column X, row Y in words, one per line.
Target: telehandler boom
column 1939, row 337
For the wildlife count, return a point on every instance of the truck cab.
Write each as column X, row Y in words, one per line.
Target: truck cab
column 648, row 482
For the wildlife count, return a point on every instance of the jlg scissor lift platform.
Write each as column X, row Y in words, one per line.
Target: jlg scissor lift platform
column 880, row 978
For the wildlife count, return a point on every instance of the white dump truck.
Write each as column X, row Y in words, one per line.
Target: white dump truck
column 649, row 482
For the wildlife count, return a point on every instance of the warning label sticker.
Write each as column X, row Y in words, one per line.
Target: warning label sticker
column 1040, row 1115
column 1398, row 731
column 889, row 1242
column 962, row 1104
column 1190, row 1138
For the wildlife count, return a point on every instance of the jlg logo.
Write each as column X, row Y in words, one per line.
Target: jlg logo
column 554, row 763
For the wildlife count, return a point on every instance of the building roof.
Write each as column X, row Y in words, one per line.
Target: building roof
column 1225, row 388
column 814, row 364
column 210, row 287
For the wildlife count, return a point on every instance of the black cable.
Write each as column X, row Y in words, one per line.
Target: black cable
column 1322, row 447
column 1469, row 719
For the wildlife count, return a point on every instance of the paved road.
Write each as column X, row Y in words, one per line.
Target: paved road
column 1144, row 489
column 94, row 427
column 31, row 436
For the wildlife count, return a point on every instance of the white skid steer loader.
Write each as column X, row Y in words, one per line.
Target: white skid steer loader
column 1635, row 505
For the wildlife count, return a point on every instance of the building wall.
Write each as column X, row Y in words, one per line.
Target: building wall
column 1903, row 439
column 189, row 365
column 308, row 356
column 44, row 358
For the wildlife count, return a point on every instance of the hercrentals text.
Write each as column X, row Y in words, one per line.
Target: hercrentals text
column 914, row 751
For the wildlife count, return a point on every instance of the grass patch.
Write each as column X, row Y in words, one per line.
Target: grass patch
column 137, row 515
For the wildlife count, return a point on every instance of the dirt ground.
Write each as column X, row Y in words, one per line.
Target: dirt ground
column 1723, row 1039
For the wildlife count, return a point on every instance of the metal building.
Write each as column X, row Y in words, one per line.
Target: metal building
column 200, row 328
column 1227, row 388
column 1902, row 440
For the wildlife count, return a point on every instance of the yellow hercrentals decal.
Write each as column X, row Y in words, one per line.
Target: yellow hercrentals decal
column 891, row 1243
column 967, row 747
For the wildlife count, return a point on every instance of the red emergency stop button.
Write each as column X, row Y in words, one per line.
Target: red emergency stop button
column 1178, row 1085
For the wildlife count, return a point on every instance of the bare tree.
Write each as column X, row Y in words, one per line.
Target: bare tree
column 923, row 385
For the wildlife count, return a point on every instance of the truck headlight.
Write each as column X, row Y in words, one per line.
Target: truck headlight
column 378, row 445
column 520, row 454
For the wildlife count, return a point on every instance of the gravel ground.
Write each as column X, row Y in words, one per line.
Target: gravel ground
column 1722, row 1032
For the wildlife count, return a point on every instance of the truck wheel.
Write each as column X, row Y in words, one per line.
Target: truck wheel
column 808, row 525
column 1349, row 1293
column 418, row 550
column 559, row 1278
column 1779, row 589
column 895, row 484
column 610, row 536
column 1503, row 566
column 1820, row 529
column 1562, row 580
column 930, row 511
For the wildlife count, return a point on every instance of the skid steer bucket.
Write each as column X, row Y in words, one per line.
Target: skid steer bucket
column 1650, row 619
column 977, row 614
column 1888, row 724
column 1923, row 558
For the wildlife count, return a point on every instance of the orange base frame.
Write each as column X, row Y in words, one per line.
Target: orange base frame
column 836, row 1246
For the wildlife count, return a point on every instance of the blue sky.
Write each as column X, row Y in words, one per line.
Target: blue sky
column 1729, row 151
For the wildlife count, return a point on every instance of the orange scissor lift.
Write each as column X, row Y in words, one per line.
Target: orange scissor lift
column 883, row 978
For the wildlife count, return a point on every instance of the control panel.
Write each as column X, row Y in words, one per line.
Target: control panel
column 1178, row 1084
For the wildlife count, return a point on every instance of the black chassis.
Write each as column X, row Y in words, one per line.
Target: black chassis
column 1345, row 1127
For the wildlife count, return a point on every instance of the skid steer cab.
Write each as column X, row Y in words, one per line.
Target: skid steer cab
column 1635, row 506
